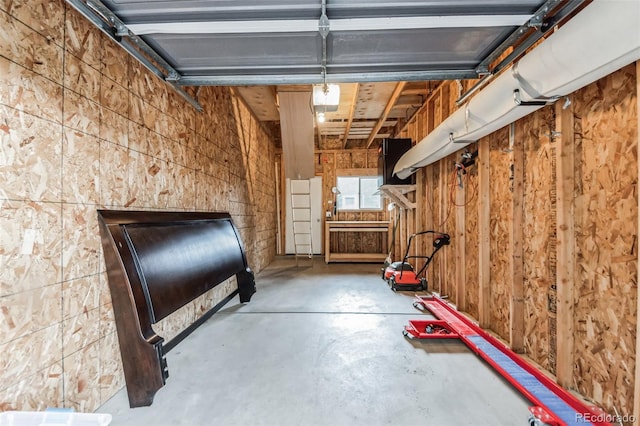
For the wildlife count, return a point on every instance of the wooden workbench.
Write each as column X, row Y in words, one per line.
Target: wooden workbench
column 355, row 226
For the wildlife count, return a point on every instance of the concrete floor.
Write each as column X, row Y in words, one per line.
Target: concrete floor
column 322, row 345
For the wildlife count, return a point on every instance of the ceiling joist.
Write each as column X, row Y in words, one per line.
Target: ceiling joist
column 352, row 110
column 392, row 101
column 336, row 25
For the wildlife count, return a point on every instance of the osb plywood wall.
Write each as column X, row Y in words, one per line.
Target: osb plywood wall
column 85, row 127
column 470, row 229
column 604, row 202
column 606, row 239
column 435, row 193
column 539, row 228
column 500, row 228
column 442, row 184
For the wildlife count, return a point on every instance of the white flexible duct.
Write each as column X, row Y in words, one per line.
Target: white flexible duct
column 599, row 40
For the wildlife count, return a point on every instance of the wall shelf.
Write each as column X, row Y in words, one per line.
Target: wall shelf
column 354, row 227
column 397, row 194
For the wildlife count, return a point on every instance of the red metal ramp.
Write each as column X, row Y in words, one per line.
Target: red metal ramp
column 553, row 404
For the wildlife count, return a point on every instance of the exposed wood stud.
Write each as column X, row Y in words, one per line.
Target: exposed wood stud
column 443, row 204
column 392, row 101
column 565, row 167
column 460, row 246
column 484, row 260
column 420, row 111
column 636, row 388
column 352, row 110
column 516, row 317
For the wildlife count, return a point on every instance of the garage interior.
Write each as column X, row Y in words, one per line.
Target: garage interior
column 207, row 106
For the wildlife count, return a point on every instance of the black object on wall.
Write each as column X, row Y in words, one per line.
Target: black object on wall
column 389, row 153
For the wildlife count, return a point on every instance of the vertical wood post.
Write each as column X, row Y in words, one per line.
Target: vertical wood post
column 484, row 223
column 460, row 245
column 516, row 317
column 565, row 184
column 443, row 202
column 421, row 209
column 636, row 387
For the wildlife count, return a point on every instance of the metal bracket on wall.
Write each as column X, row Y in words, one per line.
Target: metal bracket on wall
column 537, row 102
column 397, row 194
column 107, row 22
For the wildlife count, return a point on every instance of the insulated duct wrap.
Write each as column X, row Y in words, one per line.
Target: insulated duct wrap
column 599, row 40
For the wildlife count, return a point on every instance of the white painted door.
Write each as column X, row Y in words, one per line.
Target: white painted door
column 315, row 185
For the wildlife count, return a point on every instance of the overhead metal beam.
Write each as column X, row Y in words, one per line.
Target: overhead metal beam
column 107, row 22
column 535, row 21
column 383, row 117
column 339, row 25
column 361, row 77
column 522, row 47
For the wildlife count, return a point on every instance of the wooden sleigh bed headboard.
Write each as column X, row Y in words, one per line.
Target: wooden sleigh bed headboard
column 156, row 263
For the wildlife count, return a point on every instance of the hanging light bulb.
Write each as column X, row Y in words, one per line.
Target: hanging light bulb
column 321, row 117
column 327, row 96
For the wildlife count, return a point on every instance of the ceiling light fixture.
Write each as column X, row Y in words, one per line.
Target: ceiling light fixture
column 326, row 97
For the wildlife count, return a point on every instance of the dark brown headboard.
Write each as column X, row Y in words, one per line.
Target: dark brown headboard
column 158, row 262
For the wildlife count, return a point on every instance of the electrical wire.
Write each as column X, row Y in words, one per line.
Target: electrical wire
column 467, row 182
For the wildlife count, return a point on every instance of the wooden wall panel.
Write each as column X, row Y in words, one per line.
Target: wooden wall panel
column 606, row 239
column 563, row 324
column 539, row 229
column 501, row 216
column 98, row 131
column 606, row 224
column 472, row 240
column 330, row 162
column 446, row 255
column 636, row 393
column 484, row 232
column 437, row 187
column 516, row 310
column 343, row 160
column 359, row 159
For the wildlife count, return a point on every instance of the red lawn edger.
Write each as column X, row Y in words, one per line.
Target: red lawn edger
column 402, row 275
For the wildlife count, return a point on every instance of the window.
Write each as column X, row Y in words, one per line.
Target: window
column 359, row 193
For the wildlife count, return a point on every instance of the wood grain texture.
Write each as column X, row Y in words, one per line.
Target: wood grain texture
column 539, row 232
column 501, row 217
column 83, row 127
column 606, row 239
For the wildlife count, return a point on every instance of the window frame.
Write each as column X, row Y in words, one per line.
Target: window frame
column 359, row 174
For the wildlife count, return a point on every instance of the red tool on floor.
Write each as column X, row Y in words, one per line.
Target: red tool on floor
column 402, row 275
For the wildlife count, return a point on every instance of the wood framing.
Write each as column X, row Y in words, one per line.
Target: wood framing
column 421, row 115
column 357, row 172
column 460, row 249
column 441, row 262
column 420, row 204
column 352, row 110
column 282, row 210
column 351, row 227
column 387, row 109
column 565, row 184
column 484, row 261
column 516, row 317
column 636, row 388
column 399, row 195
